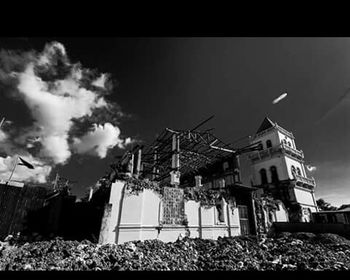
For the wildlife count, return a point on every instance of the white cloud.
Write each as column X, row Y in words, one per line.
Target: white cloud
column 128, row 141
column 22, row 173
column 99, row 140
column 54, row 110
column 311, row 168
column 57, row 93
column 50, row 51
column 100, row 81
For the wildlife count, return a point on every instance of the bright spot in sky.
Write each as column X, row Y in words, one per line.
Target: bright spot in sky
column 278, row 99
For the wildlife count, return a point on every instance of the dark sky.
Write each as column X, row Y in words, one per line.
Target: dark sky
column 177, row 82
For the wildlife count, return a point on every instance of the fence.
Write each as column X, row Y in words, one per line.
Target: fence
column 15, row 203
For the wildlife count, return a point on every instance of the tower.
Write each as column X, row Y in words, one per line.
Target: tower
column 278, row 169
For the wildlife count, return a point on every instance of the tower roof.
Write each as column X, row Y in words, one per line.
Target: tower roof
column 267, row 123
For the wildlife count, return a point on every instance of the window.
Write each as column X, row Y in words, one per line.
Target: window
column 243, row 219
column 284, row 141
column 289, row 144
column 274, row 174
column 298, row 171
column 263, row 176
column 293, row 170
column 268, row 144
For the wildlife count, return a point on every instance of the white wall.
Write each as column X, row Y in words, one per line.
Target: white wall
column 282, row 136
column 134, row 217
column 304, row 197
column 276, row 161
column 272, row 135
column 289, row 163
column 283, row 167
column 275, row 136
column 107, row 234
column 281, row 214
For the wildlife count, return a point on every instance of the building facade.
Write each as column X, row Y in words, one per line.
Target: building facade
column 279, row 170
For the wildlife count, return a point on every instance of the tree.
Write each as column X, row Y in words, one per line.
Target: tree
column 325, row 206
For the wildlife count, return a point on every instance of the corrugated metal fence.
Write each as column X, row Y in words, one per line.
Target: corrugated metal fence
column 15, row 203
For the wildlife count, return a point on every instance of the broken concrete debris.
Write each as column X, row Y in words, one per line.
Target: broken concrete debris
column 296, row 251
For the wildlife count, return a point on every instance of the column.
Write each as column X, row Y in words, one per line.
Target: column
column 138, row 163
column 175, row 162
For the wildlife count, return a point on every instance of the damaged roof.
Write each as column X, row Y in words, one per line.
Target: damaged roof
column 195, row 148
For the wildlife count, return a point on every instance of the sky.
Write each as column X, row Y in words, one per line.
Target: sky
column 112, row 92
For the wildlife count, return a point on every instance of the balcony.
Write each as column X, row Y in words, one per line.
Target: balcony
column 292, row 152
column 276, row 149
column 263, row 154
column 305, row 182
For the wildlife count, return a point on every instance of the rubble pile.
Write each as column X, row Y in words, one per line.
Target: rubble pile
column 299, row 251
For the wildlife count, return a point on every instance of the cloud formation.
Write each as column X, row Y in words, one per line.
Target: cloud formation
column 99, row 140
column 38, row 174
column 65, row 100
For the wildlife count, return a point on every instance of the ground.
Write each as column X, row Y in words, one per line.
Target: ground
column 300, row 251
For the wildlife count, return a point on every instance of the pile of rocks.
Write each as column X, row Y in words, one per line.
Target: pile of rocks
column 301, row 251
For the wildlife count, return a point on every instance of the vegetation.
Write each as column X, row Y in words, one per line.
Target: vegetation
column 325, row 206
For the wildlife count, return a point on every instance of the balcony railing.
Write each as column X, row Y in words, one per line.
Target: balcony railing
column 305, row 181
column 293, row 152
column 276, row 149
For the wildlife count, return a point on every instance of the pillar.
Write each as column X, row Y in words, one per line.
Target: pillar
column 138, row 163
column 175, row 161
column 155, row 170
column 236, row 169
column 198, row 179
column 130, row 168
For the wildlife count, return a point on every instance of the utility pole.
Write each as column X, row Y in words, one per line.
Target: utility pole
column 14, row 168
column 55, row 182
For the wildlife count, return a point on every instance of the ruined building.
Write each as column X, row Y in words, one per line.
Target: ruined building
column 278, row 171
column 187, row 182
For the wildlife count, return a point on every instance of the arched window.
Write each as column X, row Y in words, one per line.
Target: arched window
column 274, row 174
column 284, row 142
column 293, row 170
column 298, row 171
column 263, row 176
column 268, row 144
column 289, row 144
